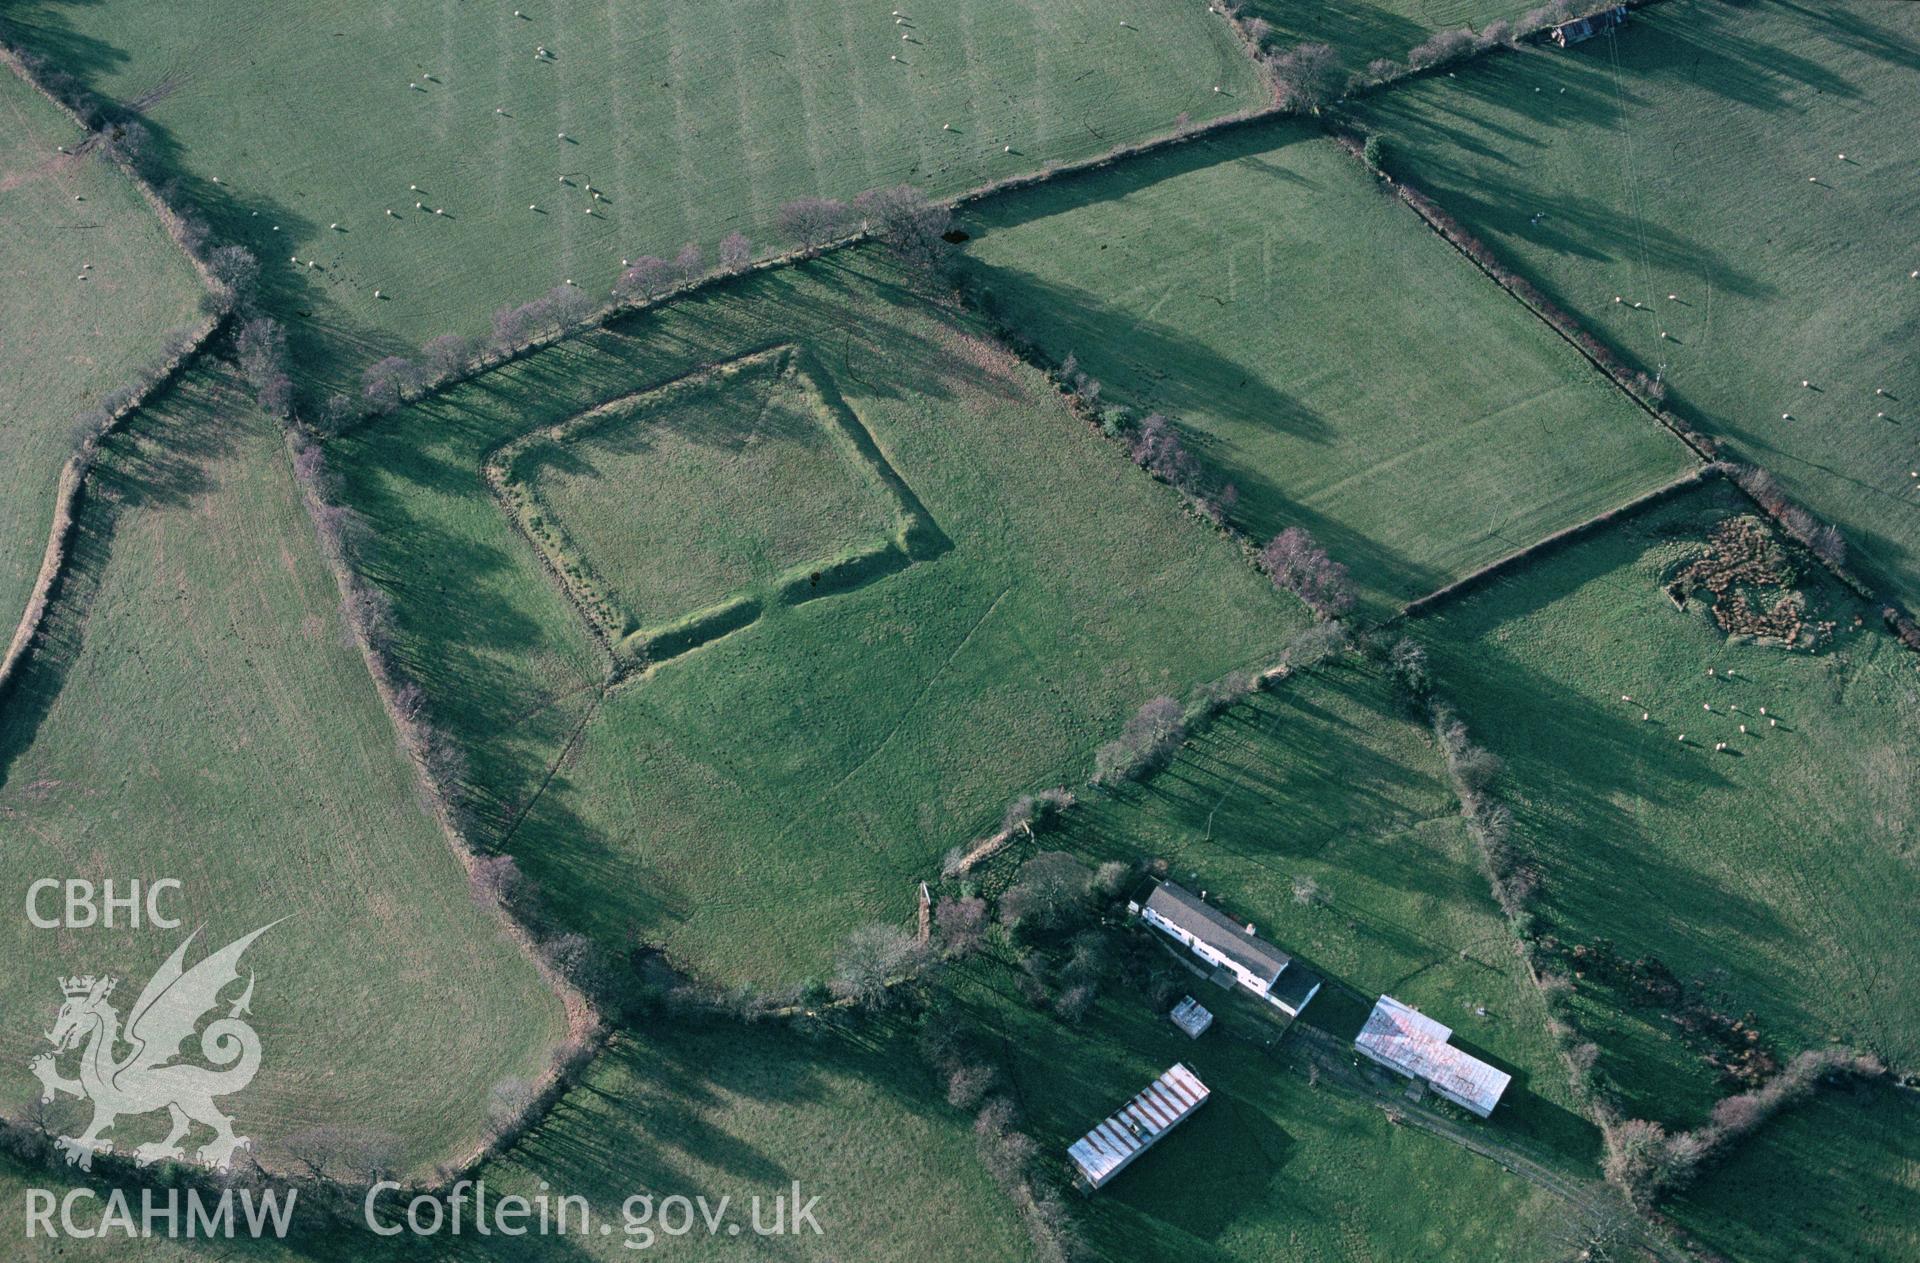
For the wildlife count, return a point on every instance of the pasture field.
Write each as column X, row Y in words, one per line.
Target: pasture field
column 198, row 713
column 1330, row 779
column 723, row 1111
column 706, row 1111
column 749, row 802
column 694, row 121
column 1776, row 876
column 67, row 214
column 1323, row 351
column 1828, row 1181
column 1296, row 1170
column 1696, row 154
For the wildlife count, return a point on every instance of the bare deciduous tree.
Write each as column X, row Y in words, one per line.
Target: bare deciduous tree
column 1052, row 889
column 567, row 306
column 690, row 263
column 736, row 252
column 908, row 223
column 812, row 222
column 1294, row 560
column 447, row 354
column 646, row 278
column 870, row 959
column 496, row 878
column 260, row 347
column 1440, row 48
column 1150, row 737
column 961, row 924
column 1307, row 77
column 388, row 382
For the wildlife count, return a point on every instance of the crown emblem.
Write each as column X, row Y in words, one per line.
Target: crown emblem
column 79, row 986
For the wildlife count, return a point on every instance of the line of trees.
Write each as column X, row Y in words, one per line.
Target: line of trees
column 1647, row 1163
column 1010, row 1156
column 1296, row 563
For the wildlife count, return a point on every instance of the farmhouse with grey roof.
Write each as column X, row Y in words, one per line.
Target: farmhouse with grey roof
column 1231, row 948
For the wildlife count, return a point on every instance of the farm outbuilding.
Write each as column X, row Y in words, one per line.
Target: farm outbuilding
column 1237, row 954
column 1192, row 1017
column 1137, row 1126
column 1586, row 28
column 1407, row 1041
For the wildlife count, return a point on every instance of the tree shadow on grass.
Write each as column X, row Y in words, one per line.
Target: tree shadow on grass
column 1358, row 30
column 159, row 459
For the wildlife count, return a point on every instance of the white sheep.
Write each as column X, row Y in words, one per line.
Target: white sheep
column 1719, row 745
column 1645, row 716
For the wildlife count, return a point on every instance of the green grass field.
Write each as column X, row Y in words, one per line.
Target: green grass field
column 198, row 713
column 694, row 121
column 76, row 340
column 1777, row 873
column 750, row 802
column 701, row 1111
column 1330, row 779
column 1697, row 156
column 1290, row 1169
column 1325, row 352
column 724, row 1112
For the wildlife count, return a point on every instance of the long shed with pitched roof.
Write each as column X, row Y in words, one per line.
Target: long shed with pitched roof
column 1105, row 1151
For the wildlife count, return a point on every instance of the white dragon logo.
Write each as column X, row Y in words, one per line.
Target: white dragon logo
column 166, row 1013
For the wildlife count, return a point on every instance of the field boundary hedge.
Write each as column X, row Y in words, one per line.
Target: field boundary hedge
column 1421, row 604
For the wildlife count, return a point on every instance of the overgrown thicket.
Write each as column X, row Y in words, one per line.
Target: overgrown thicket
column 1647, row 1163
